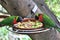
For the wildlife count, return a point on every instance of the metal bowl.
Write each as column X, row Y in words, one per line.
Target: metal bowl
column 25, row 20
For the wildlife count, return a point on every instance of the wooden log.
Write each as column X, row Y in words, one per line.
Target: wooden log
column 48, row 35
column 19, row 7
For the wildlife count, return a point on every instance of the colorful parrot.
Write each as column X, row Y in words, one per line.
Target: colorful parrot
column 46, row 20
column 11, row 20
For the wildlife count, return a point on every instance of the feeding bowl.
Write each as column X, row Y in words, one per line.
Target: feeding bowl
column 28, row 22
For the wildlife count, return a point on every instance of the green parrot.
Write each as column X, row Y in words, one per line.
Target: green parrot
column 10, row 20
column 48, row 23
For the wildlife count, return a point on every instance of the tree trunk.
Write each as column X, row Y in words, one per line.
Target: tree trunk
column 19, row 7
column 23, row 8
column 48, row 35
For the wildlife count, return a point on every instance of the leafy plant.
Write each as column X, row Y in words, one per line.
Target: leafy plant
column 54, row 5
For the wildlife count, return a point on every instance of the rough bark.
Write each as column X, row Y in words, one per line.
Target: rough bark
column 48, row 35
column 19, row 7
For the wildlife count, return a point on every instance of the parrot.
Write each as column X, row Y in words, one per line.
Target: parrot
column 46, row 20
column 10, row 20
column 48, row 23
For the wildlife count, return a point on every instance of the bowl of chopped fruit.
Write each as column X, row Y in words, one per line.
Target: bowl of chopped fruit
column 28, row 24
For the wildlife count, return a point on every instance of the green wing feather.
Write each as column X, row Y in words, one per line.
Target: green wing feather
column 8, row 20
column 48, row 23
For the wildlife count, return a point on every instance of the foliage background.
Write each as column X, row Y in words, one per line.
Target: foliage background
column 54, row 6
